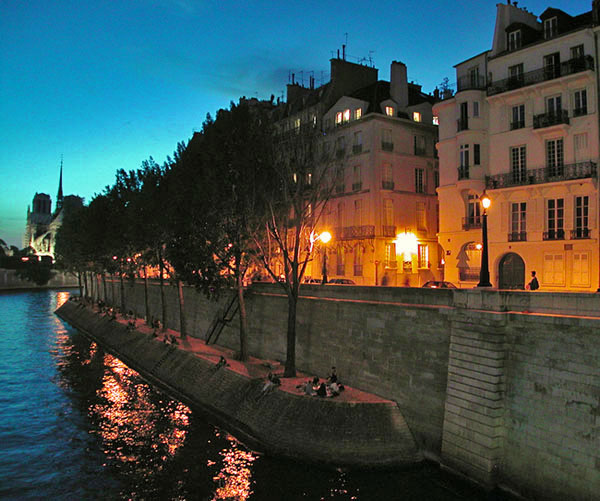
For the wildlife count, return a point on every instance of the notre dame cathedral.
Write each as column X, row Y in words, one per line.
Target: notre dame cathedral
column 42, row 224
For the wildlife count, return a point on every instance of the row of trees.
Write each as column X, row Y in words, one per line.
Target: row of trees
column 239, row 197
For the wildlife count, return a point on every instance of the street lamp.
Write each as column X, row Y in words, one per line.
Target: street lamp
column 484, row 274
column 324, row 237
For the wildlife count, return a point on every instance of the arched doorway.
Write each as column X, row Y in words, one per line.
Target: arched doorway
column 512, row 272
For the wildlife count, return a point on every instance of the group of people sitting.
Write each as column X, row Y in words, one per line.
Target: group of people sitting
column 329, row 388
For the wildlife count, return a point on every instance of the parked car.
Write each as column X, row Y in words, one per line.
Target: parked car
column 311, row 280
column 341, row 281
column 438, row 284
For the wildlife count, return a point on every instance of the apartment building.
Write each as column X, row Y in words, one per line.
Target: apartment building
column 382, row 213
column 523, row 126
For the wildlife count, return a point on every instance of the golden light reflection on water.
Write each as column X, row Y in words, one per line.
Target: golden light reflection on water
column 235, row 478
column 130, row 422
column 62, row 298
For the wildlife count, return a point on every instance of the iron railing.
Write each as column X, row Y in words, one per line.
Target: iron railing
column 554, row 235
column 470, row 82
column 549, row 119
column 388, row 231
column 517, row 236
column 358, row 270
column 385, row 146
column 579, row 233
column 463, row 172
column 387, row 185
column 569, row 67
column 355, row 232
column 356, row 186
column 580, row 170
column 471, row 223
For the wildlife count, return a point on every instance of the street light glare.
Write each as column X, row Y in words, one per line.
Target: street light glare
column 485, row 201
column 325, row 237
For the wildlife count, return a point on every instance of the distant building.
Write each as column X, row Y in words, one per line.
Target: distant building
column 42, row 224
column 523, row 126
column 383, row 211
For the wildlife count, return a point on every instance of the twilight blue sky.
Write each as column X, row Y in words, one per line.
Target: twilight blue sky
column 108, row 83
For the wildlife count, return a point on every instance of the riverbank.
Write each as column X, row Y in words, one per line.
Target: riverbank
column 9, row 281
column 354, row 430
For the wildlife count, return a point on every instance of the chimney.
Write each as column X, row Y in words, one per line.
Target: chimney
column 399, row 84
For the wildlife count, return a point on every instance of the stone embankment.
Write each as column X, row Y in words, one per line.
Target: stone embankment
column 354, row 431
column 10, row 281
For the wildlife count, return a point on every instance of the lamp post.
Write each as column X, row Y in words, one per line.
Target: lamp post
column 484, row 273
column 324, row 237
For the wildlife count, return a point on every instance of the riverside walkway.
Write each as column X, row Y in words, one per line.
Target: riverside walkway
column 355, row 429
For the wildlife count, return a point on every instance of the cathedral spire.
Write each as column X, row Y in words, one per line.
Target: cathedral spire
column 59, row 196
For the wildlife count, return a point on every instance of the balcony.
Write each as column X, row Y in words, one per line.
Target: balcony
column 580, row 233
column 354, row 232
column 463, row 172
column 550, row 119
column 519, row 124
column 471, row 223
column 420, row 151
column 470, row 82
column 517, row 236
column 357, row 148
column 385, row 146
column 358, row 270
column 554, row 235
column 388, row 231
column 356, row 186
column 579, row 112
column 387, row 185
column 569, row 67
column 543, row 175
column 462, row 124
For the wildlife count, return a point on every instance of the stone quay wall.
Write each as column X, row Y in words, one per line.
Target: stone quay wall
column 501, row 386
column 10, row 281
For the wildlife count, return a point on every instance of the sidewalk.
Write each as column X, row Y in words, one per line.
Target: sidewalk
column 254, row 368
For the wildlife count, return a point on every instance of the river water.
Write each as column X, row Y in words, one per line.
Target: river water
column 76, row 423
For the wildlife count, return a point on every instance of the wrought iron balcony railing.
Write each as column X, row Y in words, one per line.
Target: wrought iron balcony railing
column 391, row 264
column 549, row 119
column 462, row 124
column 387, row 185
column 519, row 124
column 356, row 148
column 385, row 146
column 354, row 232
column 578, row 112
column 358, row 270
column 388, row 231
column 356, row 186
column 471, row 223
column 463, row 172
column 420, row 151
column 569, row 67
column 517, row 236
column 579, row 233
column 470, row 82
column 580, row 170
column 554, row 235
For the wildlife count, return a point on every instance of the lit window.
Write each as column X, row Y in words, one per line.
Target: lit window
column 389, row 111
column 416, row 116
column 436, row 120
column 423, row 256
column 346, row 116
column 338, row 118
column 357, row 113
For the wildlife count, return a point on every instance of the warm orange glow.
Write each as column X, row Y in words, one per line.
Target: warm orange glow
column 485, row 200
column 478, row 246
column 325, row 237
column 407, row 244
column 235, row 478
column 61, row 298
column 24, row 259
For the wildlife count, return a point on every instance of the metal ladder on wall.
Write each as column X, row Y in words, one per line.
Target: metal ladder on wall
column 222, row 318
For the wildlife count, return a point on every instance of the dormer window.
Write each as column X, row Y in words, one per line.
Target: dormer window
column 514, row 40
column 550, row 27
column 389, row 111
column 357, row 113
column 346, row 115
column 416, row 116
column 338, row 118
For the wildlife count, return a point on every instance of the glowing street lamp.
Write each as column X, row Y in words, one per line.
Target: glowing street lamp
column 484, row 274
column 324, row 237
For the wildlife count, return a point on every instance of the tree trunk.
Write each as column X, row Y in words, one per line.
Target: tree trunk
column 122, row 292
column 290, row 360
column 85, row 286
column 112, row 289
column 243, row 318
column 162, row 293
column 80, row 285
column 182, row 322
column 97, row 287
column 146, row 296
column 104, row 286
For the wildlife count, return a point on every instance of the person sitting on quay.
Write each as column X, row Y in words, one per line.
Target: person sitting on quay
column 221, row 363
column 333, row 376
column 322, row 391
column 307, row 387
column 272, row 382
column 174, row 339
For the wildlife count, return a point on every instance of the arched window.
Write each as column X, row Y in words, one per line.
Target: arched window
column 469, row 262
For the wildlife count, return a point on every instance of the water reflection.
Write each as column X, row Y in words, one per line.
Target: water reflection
column 235, row 477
